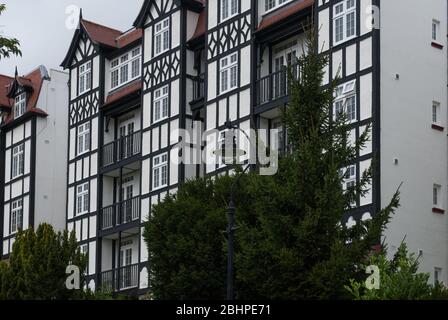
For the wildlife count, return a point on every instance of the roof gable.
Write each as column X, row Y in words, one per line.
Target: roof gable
column 152, row 9
column 91, row 36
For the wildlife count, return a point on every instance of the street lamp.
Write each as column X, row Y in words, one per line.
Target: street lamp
column 229, row 150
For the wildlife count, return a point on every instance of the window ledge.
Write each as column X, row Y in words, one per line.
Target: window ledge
column 438, row 211
column 437, row 127
column 436, row 45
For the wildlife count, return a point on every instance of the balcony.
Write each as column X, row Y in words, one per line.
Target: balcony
column 198, row 90
column 121, row 149
column 120, row 279
column 119, row 214
column 274, row 89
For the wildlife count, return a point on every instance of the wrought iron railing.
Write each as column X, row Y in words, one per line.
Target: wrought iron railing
column 121, row 149
column 276, row 85
column 119, row 279
column 120, row 213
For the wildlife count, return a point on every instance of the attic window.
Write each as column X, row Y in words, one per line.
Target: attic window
column 20, row 105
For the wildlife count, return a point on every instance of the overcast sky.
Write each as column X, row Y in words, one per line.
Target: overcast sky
column 40, row 25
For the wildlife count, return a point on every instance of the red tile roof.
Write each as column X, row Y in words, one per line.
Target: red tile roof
column 110, row 37
column 129, row 37
column 101, row 34
column 33, row 83
column 133, row 87
column 283, row 13
column 5, row 82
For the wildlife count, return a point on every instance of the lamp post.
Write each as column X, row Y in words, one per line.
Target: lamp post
column 229, row 147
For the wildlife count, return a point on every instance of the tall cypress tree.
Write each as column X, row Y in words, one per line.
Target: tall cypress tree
column 292, row 244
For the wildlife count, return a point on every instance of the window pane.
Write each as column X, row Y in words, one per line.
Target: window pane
column 339, row 29
column 351, row 24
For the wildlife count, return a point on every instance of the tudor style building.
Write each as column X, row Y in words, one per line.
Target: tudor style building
column 196, row 64
column 33, row 133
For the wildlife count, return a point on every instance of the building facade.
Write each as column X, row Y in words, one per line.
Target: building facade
column 33, row 135
column 141, row 99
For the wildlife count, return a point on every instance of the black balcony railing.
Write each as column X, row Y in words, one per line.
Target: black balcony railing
column 122, row 149
column 276, row 85
column 198, row 87
column 120, row 213
column 120, row 279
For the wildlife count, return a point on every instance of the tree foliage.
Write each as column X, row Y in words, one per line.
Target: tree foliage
column 290, row 243
column 8, row 46
column 36, row 269
column 399, row 279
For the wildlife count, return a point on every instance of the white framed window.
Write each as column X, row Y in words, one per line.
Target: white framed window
column 435, row 30
column 161, row 102
column 82, row 198
column 18, row 161
column 229, row 8
column 160, row 171
column 20, row 105
column 162, row 36
column 125, row 68
column 228, row 72
column 85, row 77
column 435, row 112
column 349, row 179
column 84, row 138
column 16, row 216
column 274, row 4
column 345, row 101
column 344, row 21
column 436, row 193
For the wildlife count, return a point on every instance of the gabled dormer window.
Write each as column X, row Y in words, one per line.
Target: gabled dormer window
column 85, row 77
column 125, row 68
column 20, row 105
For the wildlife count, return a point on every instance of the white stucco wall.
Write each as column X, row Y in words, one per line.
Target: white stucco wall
column 51, row 152
column 406, row 133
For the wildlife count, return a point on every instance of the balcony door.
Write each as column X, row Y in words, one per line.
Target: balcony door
column 285, row 56
column 126, row 132
column 125, row 267
column 128, row 193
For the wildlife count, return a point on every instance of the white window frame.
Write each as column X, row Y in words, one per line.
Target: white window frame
column 229, row 9
column 436, row 196
column 85, row 77
column 82, row 198
column 16, row 216
column 435, row 114
column 18, row 161
column 228, row 73
column 435, row 32
column 160, row 171
column 162, row 35
column 344, row 94
column 349, row 179
column 341, row 12
column 125, row 68
column 19, row 105
column 161, row 104
column 83, row 138
column 275, row 4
